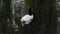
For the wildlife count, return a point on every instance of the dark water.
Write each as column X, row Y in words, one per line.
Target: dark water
column 58, row 29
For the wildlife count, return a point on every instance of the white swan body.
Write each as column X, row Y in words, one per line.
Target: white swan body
column 26, row 19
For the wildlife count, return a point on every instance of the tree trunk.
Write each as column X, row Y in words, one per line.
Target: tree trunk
column 4, row 15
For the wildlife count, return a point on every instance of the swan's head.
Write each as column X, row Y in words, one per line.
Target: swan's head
column 30, row 11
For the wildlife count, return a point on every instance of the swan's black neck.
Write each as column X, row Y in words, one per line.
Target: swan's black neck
column 30, row 11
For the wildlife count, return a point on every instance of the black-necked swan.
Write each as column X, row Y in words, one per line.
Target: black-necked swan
column 26, row 19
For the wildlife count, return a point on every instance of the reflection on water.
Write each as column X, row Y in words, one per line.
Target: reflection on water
column 58, row 29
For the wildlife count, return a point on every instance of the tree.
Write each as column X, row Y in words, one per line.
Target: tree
column 4, row 15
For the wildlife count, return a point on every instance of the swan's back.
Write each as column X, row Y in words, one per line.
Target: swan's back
column 27, row 18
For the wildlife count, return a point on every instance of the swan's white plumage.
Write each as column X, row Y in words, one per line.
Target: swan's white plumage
column 27, row 19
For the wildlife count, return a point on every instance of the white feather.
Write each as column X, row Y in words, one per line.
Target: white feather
column 27, row 19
